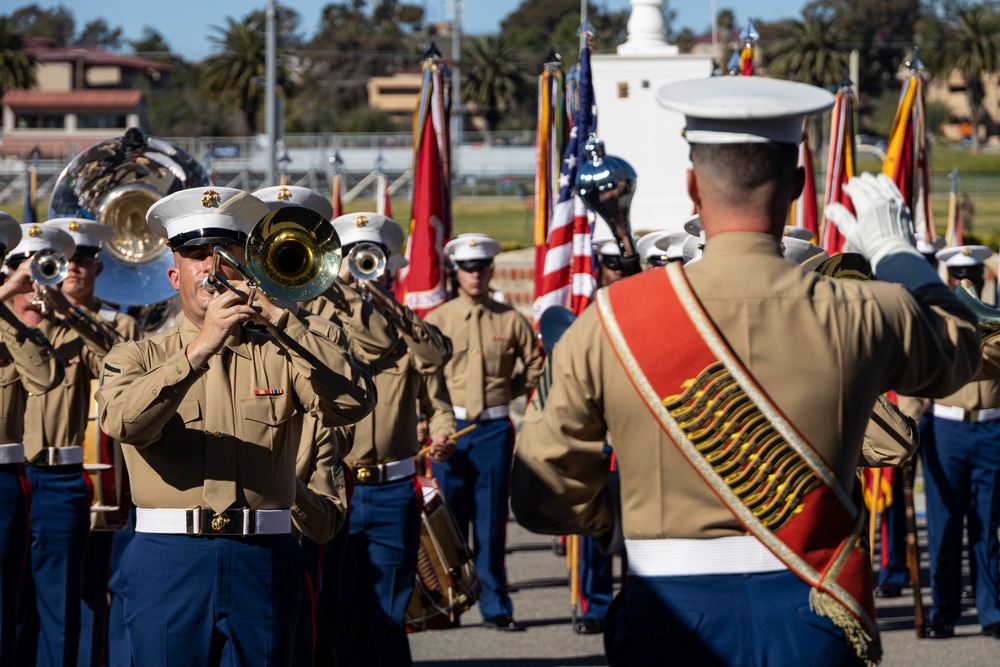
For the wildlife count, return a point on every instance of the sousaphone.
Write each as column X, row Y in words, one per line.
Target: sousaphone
column 115, row 182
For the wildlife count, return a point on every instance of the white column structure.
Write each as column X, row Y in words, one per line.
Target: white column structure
column 635, row 127
column 647, row 32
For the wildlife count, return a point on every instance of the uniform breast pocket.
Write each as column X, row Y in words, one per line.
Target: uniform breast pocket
column 262, row 433
column 500, row 356
column 182, row 443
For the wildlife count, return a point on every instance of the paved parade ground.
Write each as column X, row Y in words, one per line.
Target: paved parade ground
column 540, row 593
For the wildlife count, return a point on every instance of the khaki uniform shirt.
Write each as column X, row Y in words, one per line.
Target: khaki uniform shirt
column 888, row 431
column 28, row 366
column 389, row 433
column 59, row 417
column 369, row 332
column 434, row 404
column 821, row 349
column 125, row 327
column 506, row 339
column 250, row 399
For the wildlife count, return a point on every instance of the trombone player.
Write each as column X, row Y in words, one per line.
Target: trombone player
column 28, row 364
column 210, row 414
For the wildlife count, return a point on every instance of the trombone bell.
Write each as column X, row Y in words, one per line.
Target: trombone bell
column 294, row 254
column 366, row 261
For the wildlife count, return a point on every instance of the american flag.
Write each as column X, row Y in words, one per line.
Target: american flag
column 568, row 276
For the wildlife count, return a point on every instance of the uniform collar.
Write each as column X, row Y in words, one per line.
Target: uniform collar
column 742, row 243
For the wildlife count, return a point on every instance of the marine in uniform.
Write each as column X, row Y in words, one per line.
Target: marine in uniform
column 962, row 483
column 661, row 248
column 55, row 423
column 380, row 564
column 737, row 390
column 488, row 340
column 84, row 267
column 210, row 416
column 28, row 364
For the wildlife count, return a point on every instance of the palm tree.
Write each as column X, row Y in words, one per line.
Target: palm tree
column 235, row 77
column 808, row 53
column 494, row 80
column 17, row 68
column 972, row 46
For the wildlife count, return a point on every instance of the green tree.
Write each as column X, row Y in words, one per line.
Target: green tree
column 234, row 77
column 810, row 51
column 684, row 40
column 17, row 68
column 98, row 33
column 154, row 46
column 971, row 45
column 538, row 24
column 493, row 78
column 56, row 23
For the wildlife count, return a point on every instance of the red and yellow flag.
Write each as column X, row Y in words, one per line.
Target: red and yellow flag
column 422, row 284
column 840, row 165
column 803, row 212
column 906, row 155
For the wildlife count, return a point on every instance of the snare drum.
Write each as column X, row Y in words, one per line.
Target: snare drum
column 447, row 583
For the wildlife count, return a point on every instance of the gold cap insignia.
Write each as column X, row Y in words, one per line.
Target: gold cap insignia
column 284, row 194
column 473, row 243
column 210, row 198
column 967, row 251
column 34, row 231
column 73, row 226
column 361, row 221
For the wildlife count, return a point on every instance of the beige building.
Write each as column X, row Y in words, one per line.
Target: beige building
column 83, row 95
column 951, row 92
column 396, row 95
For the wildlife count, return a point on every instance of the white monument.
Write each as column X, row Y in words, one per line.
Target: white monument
column 635, row 127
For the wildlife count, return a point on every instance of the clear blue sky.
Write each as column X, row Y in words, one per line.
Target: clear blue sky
column 185, row 23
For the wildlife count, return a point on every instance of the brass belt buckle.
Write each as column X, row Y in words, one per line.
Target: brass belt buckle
column 219, row 521
column 362, row 475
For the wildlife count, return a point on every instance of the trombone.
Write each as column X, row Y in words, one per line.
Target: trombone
column 48, row 267
column 292, row 254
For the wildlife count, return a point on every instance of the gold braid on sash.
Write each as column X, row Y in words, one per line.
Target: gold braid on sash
column 742, row 447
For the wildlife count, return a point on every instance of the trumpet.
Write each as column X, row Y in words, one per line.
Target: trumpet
column 292, row 254
column 366, row 261
column 48, row 267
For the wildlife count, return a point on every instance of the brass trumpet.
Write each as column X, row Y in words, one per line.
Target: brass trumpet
column 292, row 254
column 988, row 318
column 48, row 267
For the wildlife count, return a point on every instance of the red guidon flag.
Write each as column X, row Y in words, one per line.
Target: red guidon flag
column 906, row 155
column 421, row 285
column 338, row 207
column 803, row 212
column 840, row 165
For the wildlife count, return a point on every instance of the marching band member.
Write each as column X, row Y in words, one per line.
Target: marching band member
column 660, row 248
column 210, row 415
column 28, row 364
column 962, row 482
column 730, row 559
column 78, row 287
column 380, row 564
column 55, row 424
column 488, row 339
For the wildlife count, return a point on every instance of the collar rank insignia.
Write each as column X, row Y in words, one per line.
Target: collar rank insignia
column 268, row 392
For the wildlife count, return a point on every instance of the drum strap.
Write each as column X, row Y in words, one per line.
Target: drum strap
column 738, row 441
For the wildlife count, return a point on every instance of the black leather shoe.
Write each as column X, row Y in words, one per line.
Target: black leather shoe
column 888, row 590
column 592, row 626
column 504, row 623
column 940, row 631
column 992, row 630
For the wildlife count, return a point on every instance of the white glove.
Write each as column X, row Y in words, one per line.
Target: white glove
column 882, row 230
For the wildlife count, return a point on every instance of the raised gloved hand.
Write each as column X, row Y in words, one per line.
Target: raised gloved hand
column 882, row 231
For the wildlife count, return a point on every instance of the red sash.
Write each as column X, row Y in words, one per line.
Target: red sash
column 731, row 433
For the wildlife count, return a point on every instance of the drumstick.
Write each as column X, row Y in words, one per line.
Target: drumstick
column 457, row 434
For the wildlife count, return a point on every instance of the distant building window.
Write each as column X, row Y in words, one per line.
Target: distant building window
column 400, row 90
column 96, row 121
column 34, row 121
